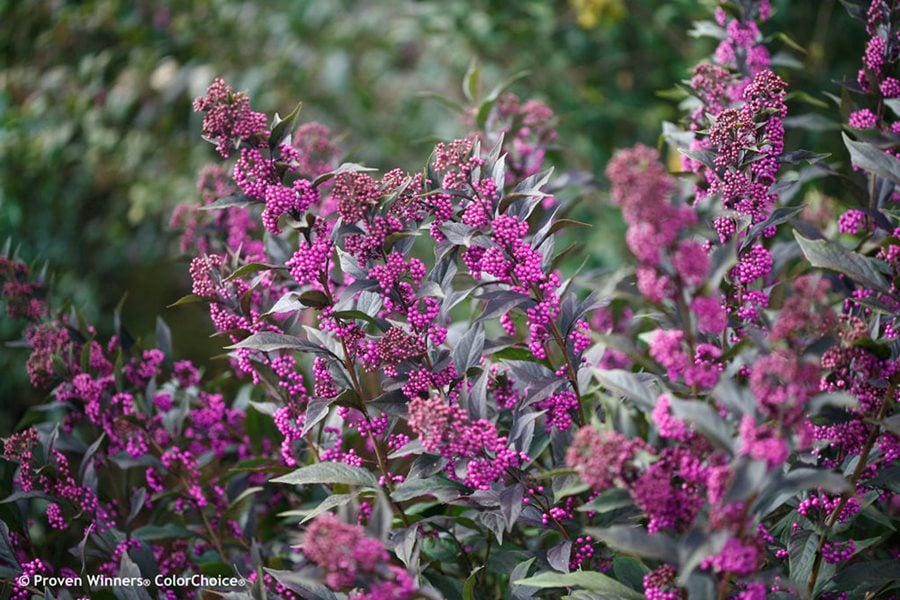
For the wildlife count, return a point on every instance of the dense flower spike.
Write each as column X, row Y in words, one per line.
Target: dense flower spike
column 228, row 118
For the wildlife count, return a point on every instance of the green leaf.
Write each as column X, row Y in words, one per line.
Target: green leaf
column 314, row 299
column 469, row 587
column 150, row 533
column 811, row 122
column 189, row 299
column 704, row 157
column 892, row 424
column 470, row 81
column 830, row 255
column 801, row 555
column 571, row 489
column 871, row 158
column 89, row 454
column 344, row 168
column 636, row 541
column 795, row 157
column 707, row 29
column 448, row 102
column 807, row 479
column 328, row 473
column 231, row 201
column 304, row 586
column 484, row 109
column 893, row 104
column 676, row 93
column 290, row 302
column 358, row 314
column 440, row 487
column 251, row 465
column 267, row 341
column 332, row 501
column 316, row 411
column 630, row 571
column 245, row 495
column 163, row 337
column 469, row 348
column 778, row 216
column 627, row 384
column 806, row 98
column 790, row 42
column 514, row 354
column 836, row 399
column 560, row 224
column 20, row 495
column 249, row 269
column 128, row 569
column 610, row 499
column 9, row 564
column 866, row 576
column 281, row 127
column 589, row 580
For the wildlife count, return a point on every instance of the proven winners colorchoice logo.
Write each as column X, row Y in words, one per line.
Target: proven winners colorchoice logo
column 106, row 581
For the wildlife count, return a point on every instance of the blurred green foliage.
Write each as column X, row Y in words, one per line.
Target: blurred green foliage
column 98, row 141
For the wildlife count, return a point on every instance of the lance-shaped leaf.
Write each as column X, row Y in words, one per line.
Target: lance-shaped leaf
column 467, row 352
column 281, row 127
column 188, row 299
column 250, row 269
column 830, row 255
column 267, row 341
column 344, row 168
column 232, row 201
column 589, row 580
column 440, row 487
column 627, row 384
column 328, row 473
column 333, row 501
column 9, row 564
column 305, row 586
column 872, row 158
column 636, row 541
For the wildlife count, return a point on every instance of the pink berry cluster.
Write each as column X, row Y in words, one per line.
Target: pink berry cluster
column 476, row 445
column 227, row 117
column 351, row 559
column 530, row 129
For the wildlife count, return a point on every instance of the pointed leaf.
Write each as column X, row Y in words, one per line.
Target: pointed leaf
column 344, row 168
column 189, row 299
column 468, row 350
column 627, row 384
column 871, row 158
column 636, row 541
column 232, row 201
column 830, row 255
column 268, row 342
column 328, row 473
column 589, row 580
